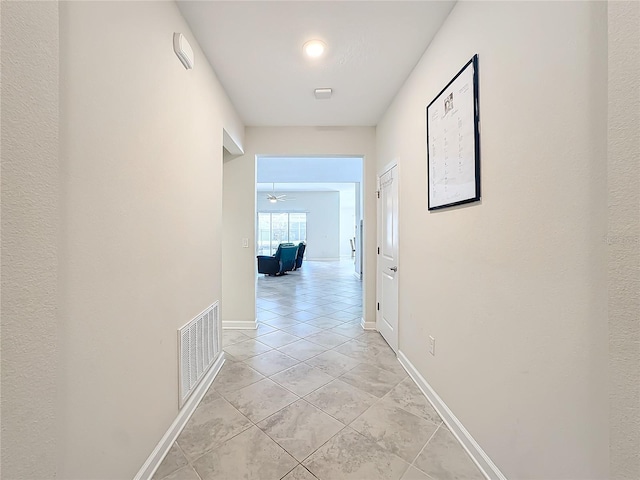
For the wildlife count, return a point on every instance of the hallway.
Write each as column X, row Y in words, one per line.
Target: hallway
column 309, row 394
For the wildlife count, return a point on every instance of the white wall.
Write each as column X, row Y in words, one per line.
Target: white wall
column 323, row 219
column 31, row 341
column 623, row 238
column 239, row 264
column 514, row 288
column 141, row 172
column 347, row 220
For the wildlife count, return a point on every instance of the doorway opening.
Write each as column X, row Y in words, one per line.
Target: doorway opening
column 315, row 201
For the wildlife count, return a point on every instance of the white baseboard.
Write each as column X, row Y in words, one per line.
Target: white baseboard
column 480, row 458
column 367, row 325
column 239, row 325
column 155, row 459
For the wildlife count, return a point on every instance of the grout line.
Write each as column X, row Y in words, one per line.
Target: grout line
column 289, row 453
column 223, row 443
column 281, row 478
column 196, row 472
column 411, row 413
column 425, row 446
column 323, row 444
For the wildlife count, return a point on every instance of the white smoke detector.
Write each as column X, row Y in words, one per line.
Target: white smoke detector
column 322, row 93
column 183, row 50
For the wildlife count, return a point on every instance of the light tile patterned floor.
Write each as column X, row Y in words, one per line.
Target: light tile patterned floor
column 310, row 395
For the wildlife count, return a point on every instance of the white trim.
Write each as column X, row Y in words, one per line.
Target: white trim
column 155, row 459
column 239, row 325
column 367, row 325
column 230, row 144
column 322, row 259
column 477, row 454
column 387, row 167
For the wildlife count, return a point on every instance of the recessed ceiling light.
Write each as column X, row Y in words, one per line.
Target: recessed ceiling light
column 314, row 48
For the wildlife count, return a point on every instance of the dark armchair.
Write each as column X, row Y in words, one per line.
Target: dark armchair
column 301, row 247
column 283, row 261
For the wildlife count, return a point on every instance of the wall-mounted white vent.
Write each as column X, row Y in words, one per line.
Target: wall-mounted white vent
column 198, row 348
column 183, row 50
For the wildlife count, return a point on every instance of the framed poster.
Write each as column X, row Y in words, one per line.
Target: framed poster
column 453, row 141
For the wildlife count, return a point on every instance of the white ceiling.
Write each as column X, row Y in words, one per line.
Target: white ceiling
column 255, row 49
column 305, row 187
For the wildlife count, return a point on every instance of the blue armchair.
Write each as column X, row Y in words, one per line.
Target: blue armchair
column 283, row 261
column 301, row 247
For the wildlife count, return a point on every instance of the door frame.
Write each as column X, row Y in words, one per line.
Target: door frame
column 379, row 174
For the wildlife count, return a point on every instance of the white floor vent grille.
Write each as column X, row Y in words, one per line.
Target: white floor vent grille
column 197, row 350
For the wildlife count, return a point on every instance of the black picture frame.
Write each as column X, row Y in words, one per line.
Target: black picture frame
column 448, row 183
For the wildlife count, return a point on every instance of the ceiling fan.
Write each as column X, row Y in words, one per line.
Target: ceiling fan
column 273, row 198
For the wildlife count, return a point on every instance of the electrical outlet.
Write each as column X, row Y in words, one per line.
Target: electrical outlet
column 245, row 243
column 432, row 345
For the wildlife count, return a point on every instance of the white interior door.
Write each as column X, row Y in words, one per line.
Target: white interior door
column 387, row 315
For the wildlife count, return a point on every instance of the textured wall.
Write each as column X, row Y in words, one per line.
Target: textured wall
column 623, row 238
column 142, row 148
column 513, row 288
column 30, row 227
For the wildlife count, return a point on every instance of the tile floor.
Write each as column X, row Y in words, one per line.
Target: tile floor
column 310, row 395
